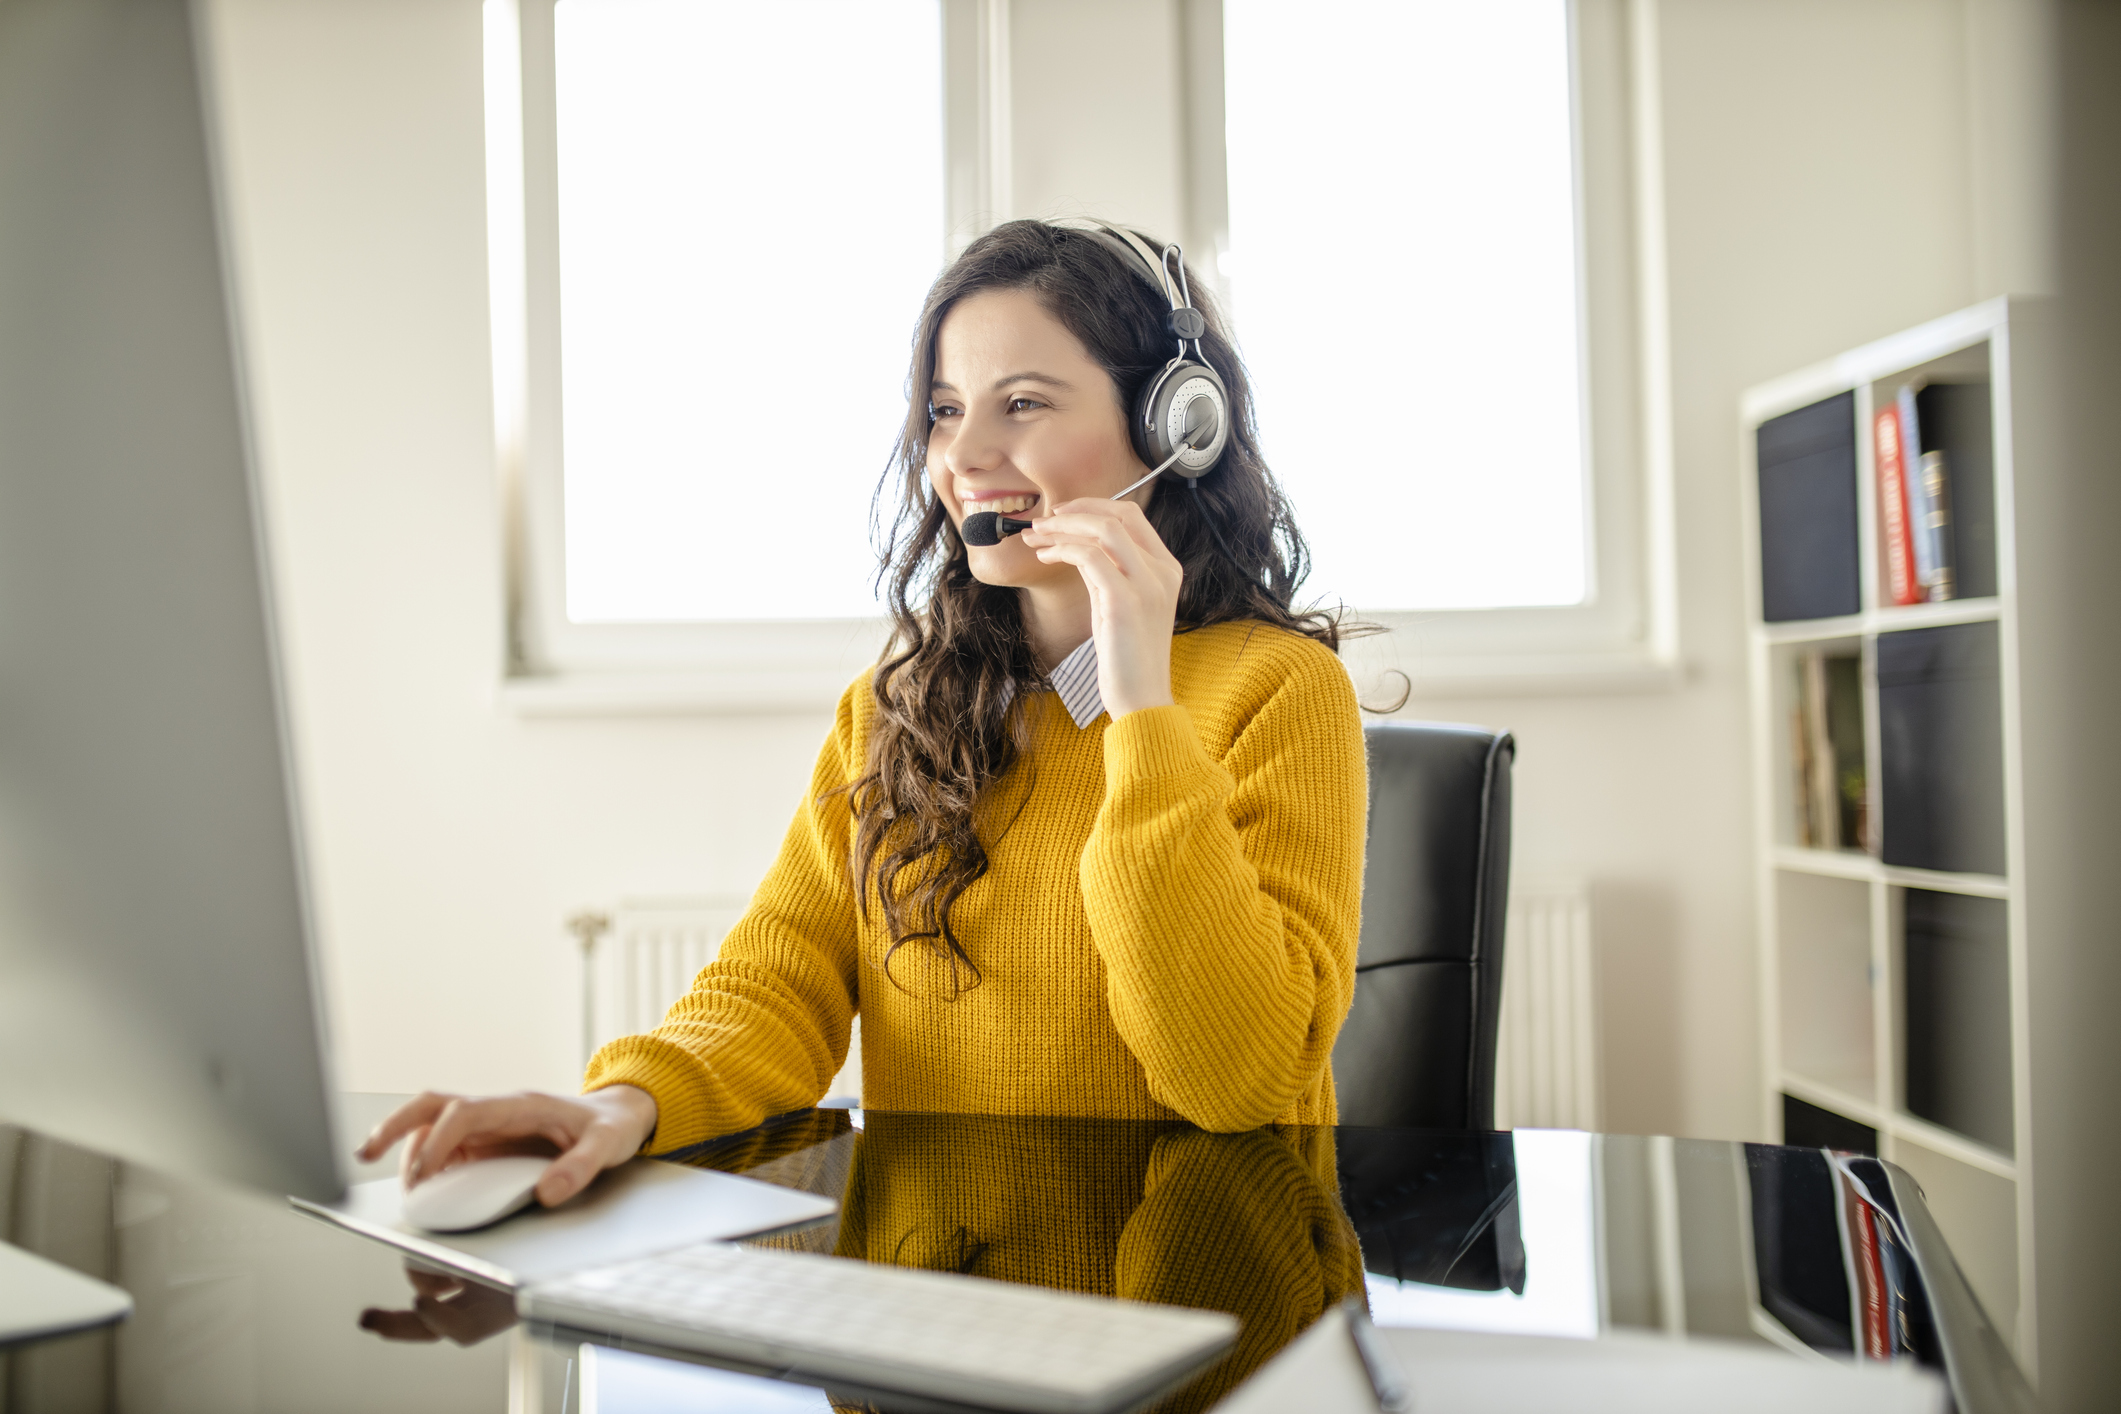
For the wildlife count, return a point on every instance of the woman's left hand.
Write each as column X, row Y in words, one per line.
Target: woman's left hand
column 1133, row 582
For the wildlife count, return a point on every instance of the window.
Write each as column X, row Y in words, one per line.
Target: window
column 730, row 366
column 1455, row 201
column 1403, row 277
column 733, row 365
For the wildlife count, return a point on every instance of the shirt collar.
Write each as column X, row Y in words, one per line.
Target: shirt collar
column 1075, row 679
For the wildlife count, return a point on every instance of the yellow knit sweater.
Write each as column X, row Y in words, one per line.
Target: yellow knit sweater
column 1167, row 930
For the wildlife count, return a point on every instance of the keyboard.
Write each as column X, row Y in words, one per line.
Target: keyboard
column 888, row 1332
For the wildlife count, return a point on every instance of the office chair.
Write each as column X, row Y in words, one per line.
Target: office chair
column 1418, row 1047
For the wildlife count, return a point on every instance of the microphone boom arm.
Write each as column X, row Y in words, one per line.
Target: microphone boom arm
column 993, row 528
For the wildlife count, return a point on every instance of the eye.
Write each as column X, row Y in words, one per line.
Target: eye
column 1021, row 404
column 938, row 411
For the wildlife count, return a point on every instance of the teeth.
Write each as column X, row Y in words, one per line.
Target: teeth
column 1007, row 505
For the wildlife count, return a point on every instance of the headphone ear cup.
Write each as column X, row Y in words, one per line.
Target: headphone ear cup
column 1182, row 398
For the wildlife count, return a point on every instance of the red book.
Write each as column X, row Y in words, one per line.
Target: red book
column 1873, row 1309
column 1895, row 525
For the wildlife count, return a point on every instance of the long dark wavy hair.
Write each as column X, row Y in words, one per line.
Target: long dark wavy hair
column 957, row 681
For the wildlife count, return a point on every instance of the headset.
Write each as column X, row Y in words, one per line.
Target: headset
column 1187, row 396
column 1181, row 419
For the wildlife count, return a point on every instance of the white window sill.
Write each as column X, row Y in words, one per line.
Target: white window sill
column 749, row 692
column 1530, row 675
column 763, row 691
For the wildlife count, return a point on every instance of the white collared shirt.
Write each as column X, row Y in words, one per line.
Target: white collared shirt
column 1076, row 682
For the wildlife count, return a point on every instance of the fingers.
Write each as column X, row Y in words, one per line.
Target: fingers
column 597, row 1150
column 1098, row 568
column 1085, row 516
column 590, row 1133
column 442, row 1286
column 470, row 1316
column 399, row 1325
column 411, row 1115
column 444, row 1306
column 1120, row 528
column 405, row 1155
column 1114, row 564
column 1107, row 537
column 488, row 1122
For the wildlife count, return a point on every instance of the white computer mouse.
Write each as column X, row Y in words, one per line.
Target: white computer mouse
column 474, row 1194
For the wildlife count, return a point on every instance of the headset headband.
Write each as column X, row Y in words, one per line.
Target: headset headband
column 1131, row 248
column 1184, row 323
column 1181, row 416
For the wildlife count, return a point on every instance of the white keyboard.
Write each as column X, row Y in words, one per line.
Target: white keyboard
column 888, row 1331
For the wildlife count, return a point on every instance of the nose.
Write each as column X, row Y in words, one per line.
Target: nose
column 980, row 443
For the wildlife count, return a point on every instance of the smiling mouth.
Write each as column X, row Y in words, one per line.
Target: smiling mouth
column 1003, row 505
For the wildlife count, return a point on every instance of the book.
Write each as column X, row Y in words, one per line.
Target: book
column 1871, row 1309
column 1958, row 419
column 1894, row 523
column 1929, row 499
column 1819, row 750
column 1832, row 796
column 1877, row 1260
column 1844, row 734
column 1936, row 524
column 1806, row 828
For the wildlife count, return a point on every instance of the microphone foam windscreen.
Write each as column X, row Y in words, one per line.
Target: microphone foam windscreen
column 983, row 528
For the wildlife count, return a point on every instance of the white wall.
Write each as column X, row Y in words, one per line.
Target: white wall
column 449, row 839
column 1811, row 206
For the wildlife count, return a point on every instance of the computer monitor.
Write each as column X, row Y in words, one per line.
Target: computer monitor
column 159, row 991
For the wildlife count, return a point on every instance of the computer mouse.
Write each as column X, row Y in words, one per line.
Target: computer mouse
column 474, row 1194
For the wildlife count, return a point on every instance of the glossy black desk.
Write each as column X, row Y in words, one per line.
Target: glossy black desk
column 243, row 1305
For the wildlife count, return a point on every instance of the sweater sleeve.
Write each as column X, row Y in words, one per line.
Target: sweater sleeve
column 766, row 1025
column 1225, row 896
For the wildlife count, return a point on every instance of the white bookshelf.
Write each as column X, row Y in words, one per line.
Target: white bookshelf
column 1833, row 965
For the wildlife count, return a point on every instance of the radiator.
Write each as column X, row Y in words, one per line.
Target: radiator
column 1546, row 1065
column 640, row 957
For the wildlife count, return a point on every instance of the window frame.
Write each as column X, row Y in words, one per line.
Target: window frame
column 1623, row 637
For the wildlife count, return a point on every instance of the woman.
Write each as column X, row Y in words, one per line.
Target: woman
column 1140, row 902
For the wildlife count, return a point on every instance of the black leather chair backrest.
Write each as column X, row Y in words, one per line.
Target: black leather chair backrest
column 1418, row 1047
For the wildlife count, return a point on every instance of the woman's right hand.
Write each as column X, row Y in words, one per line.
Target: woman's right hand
column 589, row 1133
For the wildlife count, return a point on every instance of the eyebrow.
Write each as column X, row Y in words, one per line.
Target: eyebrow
column 1000, row 383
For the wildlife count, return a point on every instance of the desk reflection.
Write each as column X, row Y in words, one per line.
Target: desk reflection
column 241, row 1303
column 1540, row 1232
column 1245, row 1223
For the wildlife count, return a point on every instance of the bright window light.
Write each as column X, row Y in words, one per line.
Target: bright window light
column 1404, row 285
column 1558, row 1226
column 751, row 210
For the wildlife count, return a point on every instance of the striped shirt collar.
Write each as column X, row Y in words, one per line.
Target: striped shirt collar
column 1075, row 679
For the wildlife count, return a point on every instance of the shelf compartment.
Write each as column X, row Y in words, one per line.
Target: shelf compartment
column 1811, row 1126
column 1953, row 1146
column 1826, row 980
column 1847, row 864
column 1888, row 620
column 1978, row 1214
column 1954, row 402
column 1940, row 728
column 1823, row 805
column 1956, row 1036
column 1808, row 537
